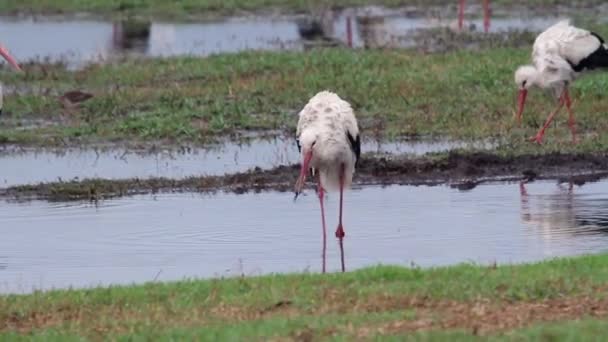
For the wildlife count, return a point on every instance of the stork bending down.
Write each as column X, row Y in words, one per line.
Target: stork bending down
column 328, row 140
column 560, row 54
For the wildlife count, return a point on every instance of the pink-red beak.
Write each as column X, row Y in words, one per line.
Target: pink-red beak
column 4, row 53
column 302, row 178
column 521, row 101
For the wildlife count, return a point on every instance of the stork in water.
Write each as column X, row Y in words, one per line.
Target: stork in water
column 4, row 53
column 329, row 142
column 559, row 56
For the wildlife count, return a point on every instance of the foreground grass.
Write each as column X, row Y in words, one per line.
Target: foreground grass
column 197, row 8
column 463, row 94
column 386, row 301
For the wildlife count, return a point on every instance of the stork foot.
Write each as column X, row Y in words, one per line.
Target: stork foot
column 537, row 139
column 340, row 232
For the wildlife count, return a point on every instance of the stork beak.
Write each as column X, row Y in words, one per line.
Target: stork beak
column 303, row 171
column 521, row 101
column 4, row 53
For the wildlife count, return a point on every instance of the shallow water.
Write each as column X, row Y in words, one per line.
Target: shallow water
column 169, row 237
column 84, row 41
column 33, row 166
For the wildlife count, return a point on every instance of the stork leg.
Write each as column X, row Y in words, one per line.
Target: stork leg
column 538, row 138
column 571, row 121
column 321, row 193
column 461, row 4
column 486, row 15
column 340, row 230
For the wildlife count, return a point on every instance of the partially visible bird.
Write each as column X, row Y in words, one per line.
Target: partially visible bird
column 330, row 146
column 4, row 53
column 560, row 54
column 486, row 14
column 72, row 99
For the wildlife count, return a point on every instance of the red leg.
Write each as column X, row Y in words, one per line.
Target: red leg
column 461, row 4
column 522, row 188
column 486, row 15
column 571, row 121
column 539, row 136
column 340, row 230
column 321, row 193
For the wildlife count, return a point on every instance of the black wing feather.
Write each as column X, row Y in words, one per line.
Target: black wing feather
column 355, row 146
column 598, row 59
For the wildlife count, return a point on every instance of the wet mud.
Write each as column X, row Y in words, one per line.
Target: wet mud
column 458, row 169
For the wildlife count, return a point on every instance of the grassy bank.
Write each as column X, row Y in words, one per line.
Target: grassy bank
column 444, row 303
column 395, row 93
column 206, row 8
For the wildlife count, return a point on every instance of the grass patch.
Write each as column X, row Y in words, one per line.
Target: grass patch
column 463, row 94
column 384, row 300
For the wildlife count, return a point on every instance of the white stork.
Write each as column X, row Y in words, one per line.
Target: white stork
column 559, row 55
column 328, row 140
column 4, row 53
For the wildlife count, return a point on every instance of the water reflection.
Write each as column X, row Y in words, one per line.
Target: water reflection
column 131, row 35
column 563, row 212
column 171, row 236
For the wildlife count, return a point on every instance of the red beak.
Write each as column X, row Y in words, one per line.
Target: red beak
column 521, row 101
column 4, row 53
column 303, row 171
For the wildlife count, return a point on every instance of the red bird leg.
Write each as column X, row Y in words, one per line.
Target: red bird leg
column 340, row 230
column 486, row 15
column 461, row 14
column 539, row 136
column 321, row 193
column 571, row 121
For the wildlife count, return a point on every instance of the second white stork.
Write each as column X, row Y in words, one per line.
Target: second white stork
column 330, row 146
column 560, row 54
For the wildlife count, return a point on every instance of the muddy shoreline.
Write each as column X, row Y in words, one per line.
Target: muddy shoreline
column 456, row 169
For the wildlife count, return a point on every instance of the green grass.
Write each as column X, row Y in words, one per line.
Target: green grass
column 197, row 8
column 383, row 300
column 463, row 94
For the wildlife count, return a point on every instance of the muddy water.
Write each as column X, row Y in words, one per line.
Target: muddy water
column 168, row 237
column 34, row 166
column 84, row 41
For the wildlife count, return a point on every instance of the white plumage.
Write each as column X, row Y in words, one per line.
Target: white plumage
column 329, row 143
column 559, row 55
column 328, row 121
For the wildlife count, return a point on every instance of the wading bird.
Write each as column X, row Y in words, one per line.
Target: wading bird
column 4, row 53
column 486, row 14
column 330, row 146
column 559, row 55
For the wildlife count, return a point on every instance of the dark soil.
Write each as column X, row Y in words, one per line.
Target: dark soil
column 457, row 169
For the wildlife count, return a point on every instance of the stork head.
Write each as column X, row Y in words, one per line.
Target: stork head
column 525, row 77
column 307, row 141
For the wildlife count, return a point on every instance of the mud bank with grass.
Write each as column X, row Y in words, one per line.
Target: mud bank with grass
column 462, row 95
column 562, row 297
column 463, row 170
